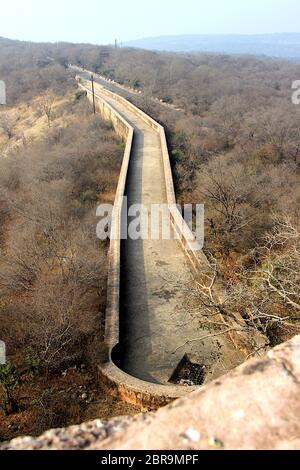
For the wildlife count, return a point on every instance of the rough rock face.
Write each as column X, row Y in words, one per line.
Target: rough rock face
column 257, row 406
column 72, row 438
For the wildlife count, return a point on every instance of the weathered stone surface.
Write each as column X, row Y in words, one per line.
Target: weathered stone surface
column 257, row 406
column 72, row 438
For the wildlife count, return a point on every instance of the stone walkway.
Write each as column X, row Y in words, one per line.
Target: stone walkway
column 156, row 279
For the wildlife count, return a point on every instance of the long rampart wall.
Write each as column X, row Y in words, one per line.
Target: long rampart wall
column 187, row 239
column 146, row 395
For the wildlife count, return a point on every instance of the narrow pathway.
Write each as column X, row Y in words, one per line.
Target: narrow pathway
column 156, row 279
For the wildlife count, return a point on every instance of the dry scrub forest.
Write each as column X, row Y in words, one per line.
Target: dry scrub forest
column 234, row 145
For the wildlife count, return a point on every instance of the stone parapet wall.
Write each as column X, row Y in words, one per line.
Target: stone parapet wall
column 115, row 381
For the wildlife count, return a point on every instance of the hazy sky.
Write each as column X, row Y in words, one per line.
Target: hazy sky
column 100, row 21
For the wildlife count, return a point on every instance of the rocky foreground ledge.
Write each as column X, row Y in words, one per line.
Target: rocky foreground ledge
column 257, row 406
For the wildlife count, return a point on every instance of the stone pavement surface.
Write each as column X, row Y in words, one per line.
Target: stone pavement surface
column 156, row 279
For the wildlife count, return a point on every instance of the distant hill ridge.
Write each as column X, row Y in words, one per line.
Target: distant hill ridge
column 282, row 45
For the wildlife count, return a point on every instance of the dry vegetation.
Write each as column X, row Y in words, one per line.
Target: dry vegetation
column 57, row 162
column 235, row 147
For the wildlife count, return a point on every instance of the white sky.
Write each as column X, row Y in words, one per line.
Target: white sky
column 100, row 22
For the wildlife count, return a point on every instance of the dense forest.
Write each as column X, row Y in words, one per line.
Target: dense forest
column 234, row 142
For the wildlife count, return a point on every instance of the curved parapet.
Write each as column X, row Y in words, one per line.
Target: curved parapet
column 145, row 395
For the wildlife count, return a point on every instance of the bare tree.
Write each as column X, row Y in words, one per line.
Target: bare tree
column 7, row 123
column 47, row 106
column 281, row 268
column 266, row 300
column 268, row 297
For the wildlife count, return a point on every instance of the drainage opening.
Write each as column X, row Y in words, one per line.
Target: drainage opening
column 116, row 356
column 189, row 372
